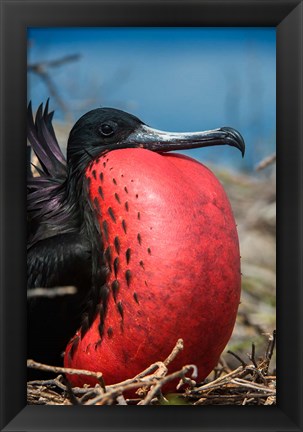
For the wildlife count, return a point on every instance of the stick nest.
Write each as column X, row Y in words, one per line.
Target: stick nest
column 249, row 384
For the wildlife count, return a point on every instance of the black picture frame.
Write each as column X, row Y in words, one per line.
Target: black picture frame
column 287, row 17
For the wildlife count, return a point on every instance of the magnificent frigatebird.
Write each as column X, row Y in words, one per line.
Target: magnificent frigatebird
column 147, row 237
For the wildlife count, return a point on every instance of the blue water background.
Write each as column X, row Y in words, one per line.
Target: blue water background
column 177, row 79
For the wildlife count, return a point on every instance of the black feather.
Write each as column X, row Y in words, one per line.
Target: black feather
column 64, row 244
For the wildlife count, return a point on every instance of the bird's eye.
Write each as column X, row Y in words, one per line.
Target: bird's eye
column 106, row 129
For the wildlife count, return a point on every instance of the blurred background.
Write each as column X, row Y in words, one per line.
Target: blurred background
column 183, row 79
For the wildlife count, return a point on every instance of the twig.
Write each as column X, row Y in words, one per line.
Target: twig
column 231, row 398
column 244, row 383
column 51, row 292
column 271, row 346
column 52, row 382
column 36, row 67
column 271, row 400
column 253, row 354
column 72, row 397
column 112, row 394
column 40, row 366
column 255, row 371
column 179, row 347
column 154, row 390
column 237, row 357
column 220, row 381
column 266, row 162
column 142, row 376
column 121, row 400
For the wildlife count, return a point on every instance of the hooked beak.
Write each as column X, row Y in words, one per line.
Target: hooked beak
column 160, row 141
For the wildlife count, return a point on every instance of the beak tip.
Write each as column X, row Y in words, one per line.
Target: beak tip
column 236, row 138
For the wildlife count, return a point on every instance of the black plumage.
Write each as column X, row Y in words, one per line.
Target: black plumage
column 64, row 245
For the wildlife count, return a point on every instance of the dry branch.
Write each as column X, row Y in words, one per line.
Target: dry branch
column 40, row 366
column 51, row 292
column 269, row 160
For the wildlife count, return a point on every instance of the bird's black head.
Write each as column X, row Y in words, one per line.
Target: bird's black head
column 97, row 131
column 107, row 129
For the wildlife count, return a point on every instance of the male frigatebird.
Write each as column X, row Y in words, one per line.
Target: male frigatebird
column 147, row 237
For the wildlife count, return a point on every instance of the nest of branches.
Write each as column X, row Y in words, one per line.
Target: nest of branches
column 249, row 384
